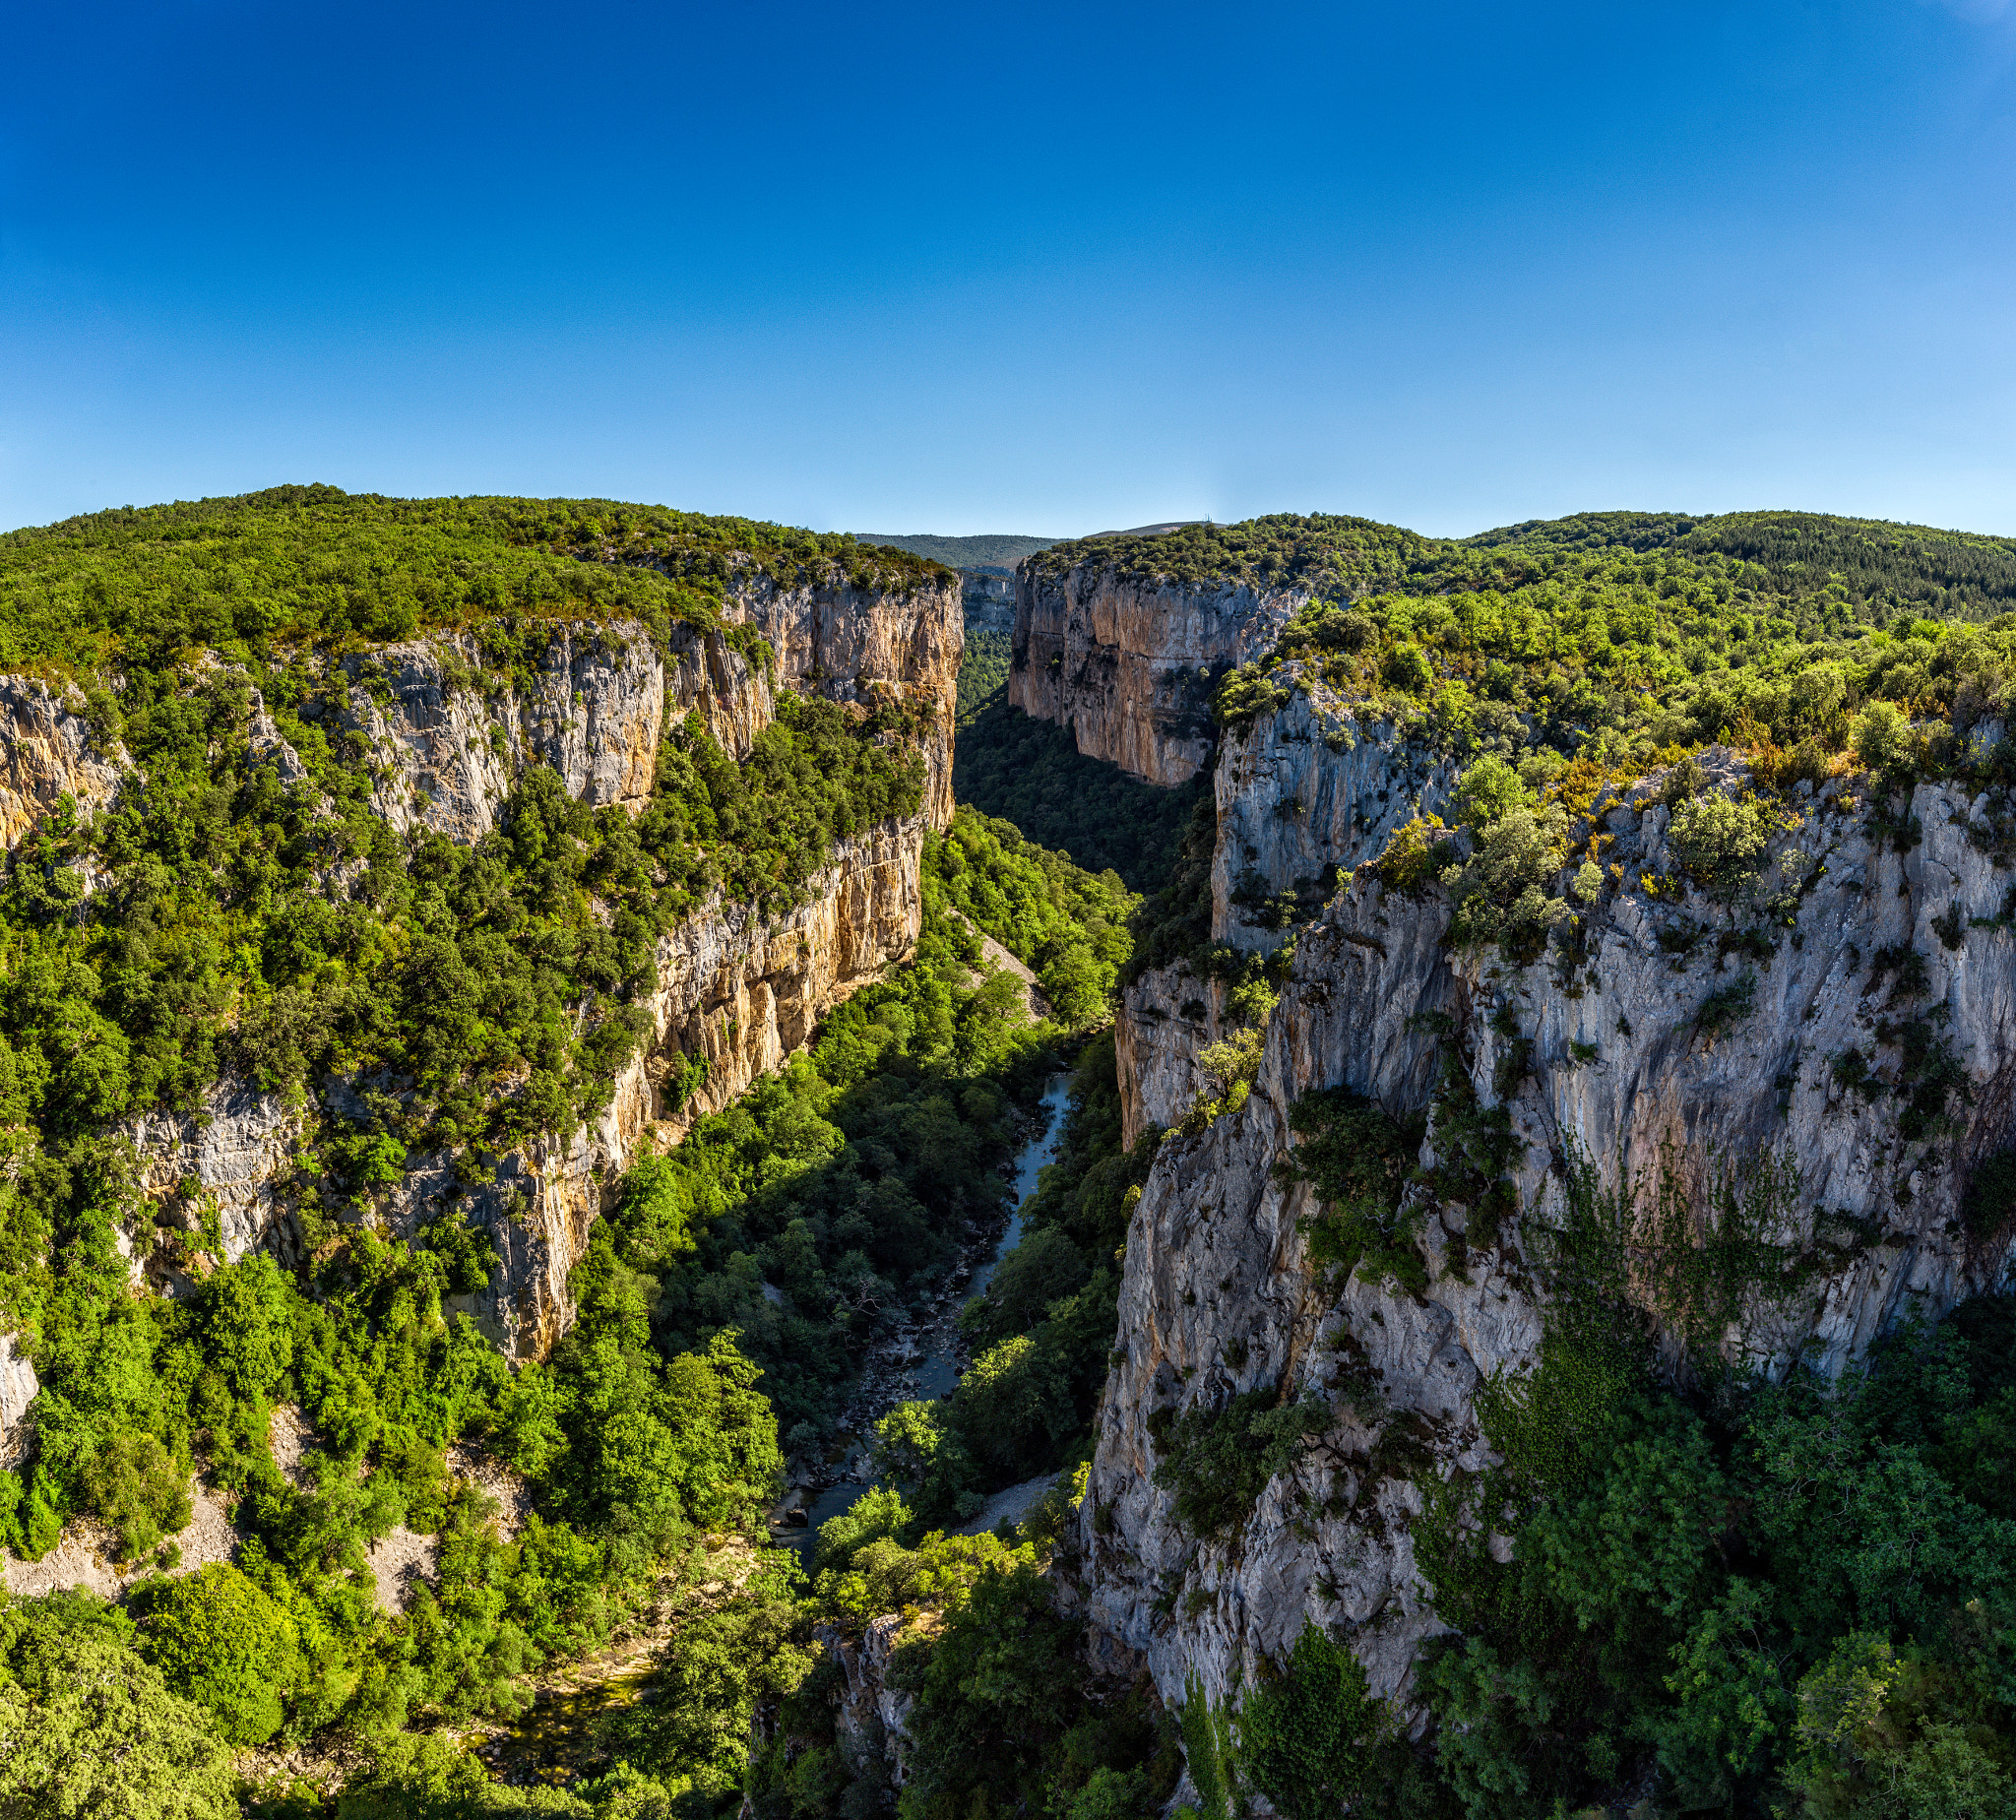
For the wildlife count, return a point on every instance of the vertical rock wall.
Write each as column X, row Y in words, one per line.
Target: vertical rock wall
column 1127, row 664
column 1618, row 1069
column 737, row 989
column 1302, row 796
column 48, row 751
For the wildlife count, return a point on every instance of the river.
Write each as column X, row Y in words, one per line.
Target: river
column 927, row 1364
column 557, row 1733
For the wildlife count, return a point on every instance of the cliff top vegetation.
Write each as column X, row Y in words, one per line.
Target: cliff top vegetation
column 1809, row 568
column 1001, row 549
column 291, row 565
column 1566, row 642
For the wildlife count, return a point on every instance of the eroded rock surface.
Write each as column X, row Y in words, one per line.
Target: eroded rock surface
column 1303, row 797
column 1127, row 664
column 1684, row 1038
column 738, row 991
column 48, row 751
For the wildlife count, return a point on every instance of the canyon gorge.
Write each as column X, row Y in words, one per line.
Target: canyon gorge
column 1491, row 997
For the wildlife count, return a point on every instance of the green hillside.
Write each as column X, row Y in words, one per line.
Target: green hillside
column 1001, row 549
column 291, row 563
column 1796, row 564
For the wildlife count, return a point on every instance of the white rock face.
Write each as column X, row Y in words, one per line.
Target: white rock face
column 1303, row 798
column 1127, row 664
column 46, row 750
column 854, row 646
column 448, row 749
column 235, row 1147
column 1218, row 1296
column 18, row 1388
column 1305, row 794
column 872, row 1717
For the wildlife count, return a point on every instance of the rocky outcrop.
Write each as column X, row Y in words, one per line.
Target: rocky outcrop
column 1666, row 1054
column 867, row 647
column 1128, row 662
column 228, row 1156
column 447, row 739
column 447, row 735
column 737, row 993
column 1303, row 798
column 18, row 1388
column 1167, row 1017
column 48, row 751
column 989, row 595
column 870, row 1722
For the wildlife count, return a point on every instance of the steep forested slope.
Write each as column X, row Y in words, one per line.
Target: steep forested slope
column 412, row 914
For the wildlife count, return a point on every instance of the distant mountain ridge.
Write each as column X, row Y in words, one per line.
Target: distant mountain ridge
column 991, row 549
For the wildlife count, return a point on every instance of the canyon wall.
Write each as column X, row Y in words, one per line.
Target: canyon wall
column 48, row 751
column 735, row 990
column 1303, row 795
column 1663, row 1048
column 1128, row 662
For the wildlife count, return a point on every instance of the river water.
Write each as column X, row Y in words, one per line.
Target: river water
column 551, row 1741
column 927, row 1364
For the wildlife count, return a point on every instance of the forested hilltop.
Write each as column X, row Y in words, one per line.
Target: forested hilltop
column 1800, row 565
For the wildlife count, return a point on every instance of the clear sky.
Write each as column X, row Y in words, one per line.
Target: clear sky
column 1046, row 269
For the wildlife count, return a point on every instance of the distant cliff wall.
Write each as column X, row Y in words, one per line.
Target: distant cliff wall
column 1128, row 662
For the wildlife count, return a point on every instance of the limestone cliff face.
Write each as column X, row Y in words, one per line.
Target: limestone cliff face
column 1302, row 795
column 1622, row 1073
column 446, row 746
column 856, row 647
column 1305, row 794
column 736, row 991
column 1127, row 664
column 48, row 751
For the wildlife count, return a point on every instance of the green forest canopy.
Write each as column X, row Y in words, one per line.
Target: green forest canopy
column 995, row 549
column 296, row 563
column 1782, row 560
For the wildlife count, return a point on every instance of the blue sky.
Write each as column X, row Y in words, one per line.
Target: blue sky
column 1045, row 267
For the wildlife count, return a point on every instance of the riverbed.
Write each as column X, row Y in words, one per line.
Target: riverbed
column 926, row 1362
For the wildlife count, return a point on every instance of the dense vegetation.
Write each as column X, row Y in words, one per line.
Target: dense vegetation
column 266, row 571
column 1741, row 1598
column 991, row 549
column 1031, row 773
column 1009, row 1718
column 1784, row 561
column 983, row 675
column 473, row 996
column 237, row 922
column 1571, row 639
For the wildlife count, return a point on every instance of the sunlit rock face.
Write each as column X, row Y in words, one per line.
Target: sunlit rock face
column 1127, row 664
column 48, row 751
column 1619, row 1065
column 736, row 991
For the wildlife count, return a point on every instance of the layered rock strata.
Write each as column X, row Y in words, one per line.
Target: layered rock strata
column 1129, row 664
column 736, row 991
column 1664, row 1053
column 48, row 751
